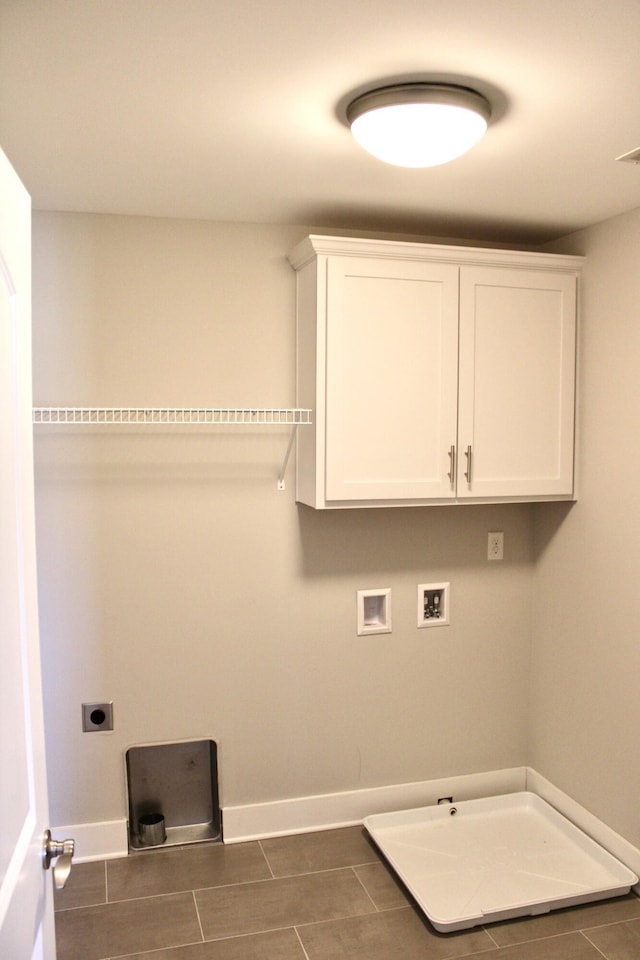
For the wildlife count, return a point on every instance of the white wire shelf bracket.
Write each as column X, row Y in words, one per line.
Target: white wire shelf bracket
column 236, row 416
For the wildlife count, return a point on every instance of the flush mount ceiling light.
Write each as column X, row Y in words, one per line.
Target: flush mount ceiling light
column 419, row 124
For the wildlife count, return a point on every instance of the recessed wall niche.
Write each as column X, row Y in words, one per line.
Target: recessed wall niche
column 178, row 783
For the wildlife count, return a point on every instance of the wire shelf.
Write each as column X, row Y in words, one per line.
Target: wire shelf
column 238, row 416
column 250, row 416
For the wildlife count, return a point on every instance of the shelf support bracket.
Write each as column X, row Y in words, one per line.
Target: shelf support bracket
column 281, row 483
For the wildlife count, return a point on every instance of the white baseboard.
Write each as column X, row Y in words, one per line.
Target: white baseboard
column 96, row 841
column 257, row 821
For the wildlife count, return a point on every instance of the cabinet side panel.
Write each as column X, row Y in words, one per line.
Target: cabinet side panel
column 308, row 463
column 517, row 363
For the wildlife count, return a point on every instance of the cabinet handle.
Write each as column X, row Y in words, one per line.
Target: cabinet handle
column 469, row 455
column 452, row 465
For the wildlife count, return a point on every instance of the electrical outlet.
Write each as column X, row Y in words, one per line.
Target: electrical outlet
column 495, row 546
column 97, row 716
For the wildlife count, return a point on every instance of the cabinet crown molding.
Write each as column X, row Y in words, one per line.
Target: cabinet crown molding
column 316, row 245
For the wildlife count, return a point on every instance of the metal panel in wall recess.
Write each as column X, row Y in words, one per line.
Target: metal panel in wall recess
column 179, row 781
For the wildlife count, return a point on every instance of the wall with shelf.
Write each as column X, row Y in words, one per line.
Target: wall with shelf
column 178, row 554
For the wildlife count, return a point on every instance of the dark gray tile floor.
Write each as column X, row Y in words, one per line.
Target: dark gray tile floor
column 317, row 896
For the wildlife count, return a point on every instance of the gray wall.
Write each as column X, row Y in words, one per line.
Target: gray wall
column 586, row 664
column 178, row 582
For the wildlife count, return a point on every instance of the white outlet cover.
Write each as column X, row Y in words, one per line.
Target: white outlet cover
column 495, row 545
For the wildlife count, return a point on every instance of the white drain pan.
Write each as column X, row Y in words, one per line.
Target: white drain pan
column 493, row 859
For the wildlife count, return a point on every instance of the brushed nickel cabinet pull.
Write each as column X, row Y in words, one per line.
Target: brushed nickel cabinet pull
column 452, row 465
column 469, row 455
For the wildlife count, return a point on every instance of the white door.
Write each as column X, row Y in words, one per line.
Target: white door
column 26, row 894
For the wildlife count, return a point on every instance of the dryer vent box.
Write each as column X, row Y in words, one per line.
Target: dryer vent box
column 177, row 782
column 374, row 611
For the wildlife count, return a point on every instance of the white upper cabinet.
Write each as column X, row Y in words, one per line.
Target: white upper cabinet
column 435, row 374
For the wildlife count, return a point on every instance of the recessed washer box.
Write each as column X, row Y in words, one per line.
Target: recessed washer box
column 433, row 605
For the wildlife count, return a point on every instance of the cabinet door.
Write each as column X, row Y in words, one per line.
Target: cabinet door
column 391, row 379
column 517, row 383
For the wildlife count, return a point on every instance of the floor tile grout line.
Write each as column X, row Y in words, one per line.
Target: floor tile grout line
column 293, row 876
column 84, row 906
column 148, row 896
column 348, row 916
column 491, row 937
column 361, row 882
column 344, row 866
column 595, row 945
column 266, row 858
column 542, row 939
column 477, row 954
column 611, row 923
column 301, row 924
column 302, row 946
column 153, row 951
column 307, row 873
column 251, row 933
column 195, row 903
column 106, row 882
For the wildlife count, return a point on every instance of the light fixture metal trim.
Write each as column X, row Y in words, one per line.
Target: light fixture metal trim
column 418, row 118
column 632, row 156
column 400, row 93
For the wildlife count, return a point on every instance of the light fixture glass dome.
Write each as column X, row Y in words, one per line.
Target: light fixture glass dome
column 419, row 124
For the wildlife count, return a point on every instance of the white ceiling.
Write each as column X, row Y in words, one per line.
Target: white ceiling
column 234, row 110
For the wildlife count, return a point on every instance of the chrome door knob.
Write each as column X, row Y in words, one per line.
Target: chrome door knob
column 62, row 853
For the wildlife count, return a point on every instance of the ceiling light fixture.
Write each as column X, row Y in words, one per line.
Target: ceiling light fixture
column 419, row 124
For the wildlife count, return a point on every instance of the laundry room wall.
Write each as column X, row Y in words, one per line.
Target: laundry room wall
column 178, row 582
column 586, row 664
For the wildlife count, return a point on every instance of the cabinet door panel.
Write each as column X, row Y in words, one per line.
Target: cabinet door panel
column 517, row 348
column 391, row 379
